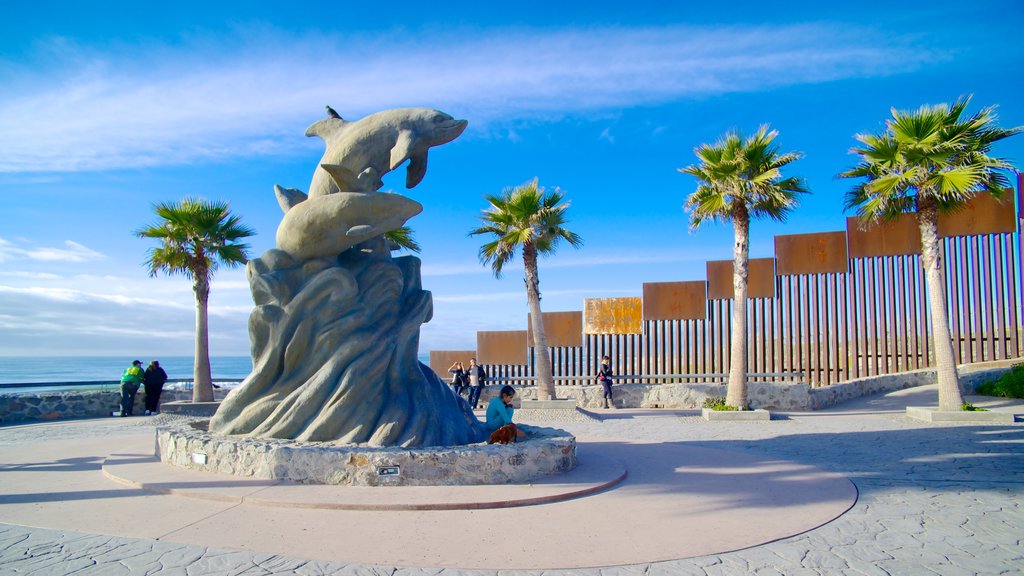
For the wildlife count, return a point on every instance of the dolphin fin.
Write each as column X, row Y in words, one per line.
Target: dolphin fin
column 417, row 169
column 402, row 148
column 343, row 177
column 288, row 197
column 360, row 230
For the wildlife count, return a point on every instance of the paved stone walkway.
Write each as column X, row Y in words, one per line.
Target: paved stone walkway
column 934, row 499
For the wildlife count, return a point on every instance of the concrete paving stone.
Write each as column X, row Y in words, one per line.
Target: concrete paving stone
column 948, row 569
column 757, row 558
column 823, row 560
column 861, row 553
column 864, row 569
column 677, row 568
column 324, row 568
column 768, row 571
column 903, row 567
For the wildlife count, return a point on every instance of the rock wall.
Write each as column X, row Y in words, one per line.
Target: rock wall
column 546, row 451
column 78, row 404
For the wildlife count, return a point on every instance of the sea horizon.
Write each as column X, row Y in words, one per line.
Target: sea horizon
column 95, row 368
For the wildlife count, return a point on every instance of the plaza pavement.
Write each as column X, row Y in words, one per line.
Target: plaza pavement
column 931, row 499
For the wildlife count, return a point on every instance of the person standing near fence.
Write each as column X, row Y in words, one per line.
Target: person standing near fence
column 458, row 377
column 477, row 379
column 604, row 377
column 154, row 381
column 130, row 380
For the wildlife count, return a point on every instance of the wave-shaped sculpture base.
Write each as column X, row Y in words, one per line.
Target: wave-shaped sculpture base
column 334, row 349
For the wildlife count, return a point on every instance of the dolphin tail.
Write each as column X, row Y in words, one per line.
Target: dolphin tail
column 343, row 177
column 288, row 197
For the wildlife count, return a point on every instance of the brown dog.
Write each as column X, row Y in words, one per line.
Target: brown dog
column 504, row 435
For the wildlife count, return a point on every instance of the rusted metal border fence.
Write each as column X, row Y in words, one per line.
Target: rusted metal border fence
column 831, row 306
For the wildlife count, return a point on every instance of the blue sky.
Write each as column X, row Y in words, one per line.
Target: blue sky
column 106, row 109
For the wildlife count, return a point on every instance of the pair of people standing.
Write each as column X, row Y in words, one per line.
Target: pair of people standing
column 474, row 378
column 604, row 377
column 153, row 378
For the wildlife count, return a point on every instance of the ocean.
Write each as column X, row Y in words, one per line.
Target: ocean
column 37, row 369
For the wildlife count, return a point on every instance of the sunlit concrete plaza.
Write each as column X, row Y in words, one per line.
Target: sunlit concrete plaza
column 857, row 489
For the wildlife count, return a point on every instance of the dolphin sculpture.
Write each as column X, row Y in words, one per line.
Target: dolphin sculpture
column 362, row 152
column 329, row 225
column 319, row 226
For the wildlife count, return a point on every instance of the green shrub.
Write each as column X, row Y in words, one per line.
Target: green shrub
column 718, row 404
column 968, row 407
column 1010, row 385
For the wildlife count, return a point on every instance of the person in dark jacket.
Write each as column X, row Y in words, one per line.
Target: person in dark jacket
column 477, row 378
column 154, row 381
column 604, row 378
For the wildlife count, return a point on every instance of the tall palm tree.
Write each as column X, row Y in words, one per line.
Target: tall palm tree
column 931, row 160
column 196, row 237
column 739, row 178
column 528, row 217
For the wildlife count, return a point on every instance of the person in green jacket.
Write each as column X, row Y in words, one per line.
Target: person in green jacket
column 131, row 378
column 500, row 410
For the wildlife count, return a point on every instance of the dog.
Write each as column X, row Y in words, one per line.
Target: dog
column 504, row 435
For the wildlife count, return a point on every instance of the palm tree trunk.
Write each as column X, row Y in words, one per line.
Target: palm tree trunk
column 950, row 397
column 202, row 389
column 736, row 391
column 542, row 366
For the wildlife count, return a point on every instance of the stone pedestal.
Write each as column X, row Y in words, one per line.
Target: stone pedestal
column 976, row 417
column 735, row 415
column 556, row 404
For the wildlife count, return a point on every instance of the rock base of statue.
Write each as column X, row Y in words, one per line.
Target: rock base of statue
column 334, row 348
column 546, row 451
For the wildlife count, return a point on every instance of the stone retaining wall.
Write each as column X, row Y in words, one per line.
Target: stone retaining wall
column 78, row 404
column 971, row 376
column 546, row 451
column 770, row 396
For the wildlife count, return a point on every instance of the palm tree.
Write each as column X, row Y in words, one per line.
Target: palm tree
column 738, row 179
column 196, row 236
column 526, row 216
column 403, row 238
column 930, row 161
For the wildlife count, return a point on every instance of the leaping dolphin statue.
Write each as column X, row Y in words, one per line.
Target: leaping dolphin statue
column 362, row 152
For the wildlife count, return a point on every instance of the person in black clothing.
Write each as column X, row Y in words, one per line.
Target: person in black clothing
column 458, row 377
column 604, row 376
column 477, row 379
column 153, row 379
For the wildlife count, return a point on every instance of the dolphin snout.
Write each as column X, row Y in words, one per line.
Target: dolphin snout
column 454, row 129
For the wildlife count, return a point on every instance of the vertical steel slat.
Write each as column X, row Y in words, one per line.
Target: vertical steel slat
column 989, row 348
column 840, row 338
column 821, row 328
column 791, row 342
column 1013, row 269
column 873, row 347
column 812, row 317
column 898, row 317
column 952, row 295
column 977, row 305
column 999, row 327
column 862, row 320
column 962, row 303
column 888, row 315
column 912, row 303
column 852, row 281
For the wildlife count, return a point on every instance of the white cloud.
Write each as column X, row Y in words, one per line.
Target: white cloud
column 71, row 252
column 253, row 93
